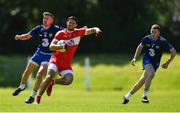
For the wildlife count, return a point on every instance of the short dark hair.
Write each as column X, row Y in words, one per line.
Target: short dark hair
column 73, row 18
column 49, row 14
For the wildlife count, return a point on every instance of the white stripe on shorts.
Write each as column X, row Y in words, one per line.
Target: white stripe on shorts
column 52, row 67
column 44, row 63
column 63, row 73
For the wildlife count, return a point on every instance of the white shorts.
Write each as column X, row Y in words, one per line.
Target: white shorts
column 63, row 72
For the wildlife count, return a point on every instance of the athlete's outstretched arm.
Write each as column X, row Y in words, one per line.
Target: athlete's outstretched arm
column 137, row 53
column 170, row 59
column 93, row 30
column 23, row 37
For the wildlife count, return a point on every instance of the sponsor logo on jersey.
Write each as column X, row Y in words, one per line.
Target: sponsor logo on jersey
column 45, row 34
column 73, row 41
column 40, row 35
column 50, row 35
column 157, row 47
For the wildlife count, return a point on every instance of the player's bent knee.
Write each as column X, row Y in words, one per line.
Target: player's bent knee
column 68, row 79
column 68, row 82
column 48, row 78
column 151, row 75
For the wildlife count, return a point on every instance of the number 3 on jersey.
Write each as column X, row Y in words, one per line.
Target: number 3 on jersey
column 45, row 42
column 151, row 52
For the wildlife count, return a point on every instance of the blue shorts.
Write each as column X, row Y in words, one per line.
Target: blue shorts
column 40, row 58
column 146, row 61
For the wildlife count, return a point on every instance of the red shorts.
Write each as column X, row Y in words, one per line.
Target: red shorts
column 62, row 67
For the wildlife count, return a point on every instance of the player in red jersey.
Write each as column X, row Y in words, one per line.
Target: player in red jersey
column 61, row 60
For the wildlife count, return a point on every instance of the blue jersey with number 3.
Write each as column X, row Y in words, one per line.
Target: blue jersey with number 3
column 153, row 50
column 45, row 36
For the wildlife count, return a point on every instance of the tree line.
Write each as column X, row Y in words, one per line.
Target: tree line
column 123, row 22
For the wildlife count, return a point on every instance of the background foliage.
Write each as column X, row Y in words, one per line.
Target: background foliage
column 123, row 22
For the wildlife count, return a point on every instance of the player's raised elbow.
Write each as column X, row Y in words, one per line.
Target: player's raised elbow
column 140, row 47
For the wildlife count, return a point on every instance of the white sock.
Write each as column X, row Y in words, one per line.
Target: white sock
column 128, row 95
column 22, row 86
column 145, row 93
column 33, row 94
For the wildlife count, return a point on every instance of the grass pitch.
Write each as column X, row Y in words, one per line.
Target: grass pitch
column 111, row 77
column 65, row 100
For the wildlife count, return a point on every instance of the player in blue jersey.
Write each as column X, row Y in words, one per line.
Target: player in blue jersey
column 45, row 33
column 153, row 46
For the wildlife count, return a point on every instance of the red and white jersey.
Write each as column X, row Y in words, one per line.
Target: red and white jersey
column 73, row 40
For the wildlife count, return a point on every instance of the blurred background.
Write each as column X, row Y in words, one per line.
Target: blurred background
column 123, row 22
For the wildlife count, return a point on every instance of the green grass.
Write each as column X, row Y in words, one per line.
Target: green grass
column 111, row 77
column 93, row 101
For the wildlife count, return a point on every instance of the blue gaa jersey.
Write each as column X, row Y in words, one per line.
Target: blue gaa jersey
column 153, row 50
column 45, row 36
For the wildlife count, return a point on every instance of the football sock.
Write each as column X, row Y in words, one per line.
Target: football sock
column 33, row 94
column 145, row 93
column 53, row 82
column 22, row 86
column 128, row 95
